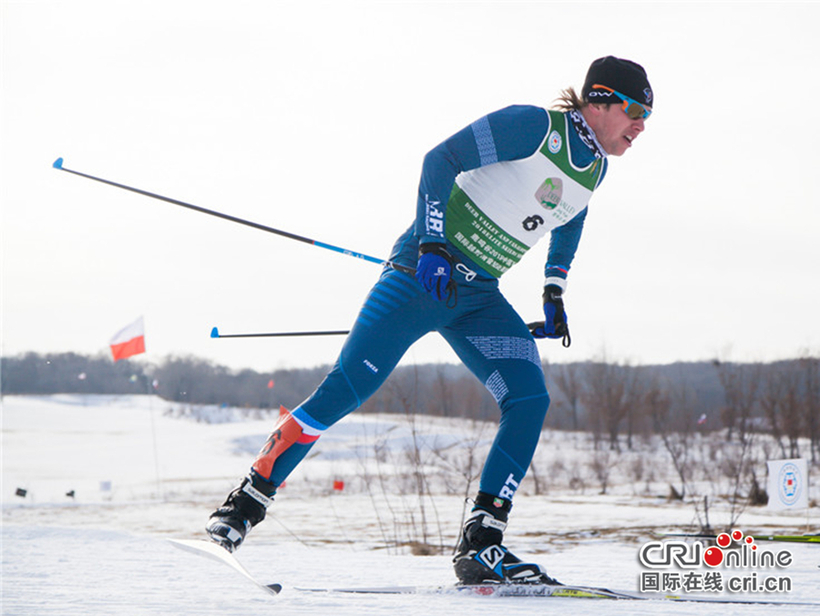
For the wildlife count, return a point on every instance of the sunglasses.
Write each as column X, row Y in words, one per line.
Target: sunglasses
column 631, row 107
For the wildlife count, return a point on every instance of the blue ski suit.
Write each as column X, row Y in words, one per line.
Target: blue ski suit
column 482, row 328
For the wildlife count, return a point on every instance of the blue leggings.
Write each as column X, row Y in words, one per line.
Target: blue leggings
column 484, row 331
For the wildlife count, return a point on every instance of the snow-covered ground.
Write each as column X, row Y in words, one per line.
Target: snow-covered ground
column 142, row 470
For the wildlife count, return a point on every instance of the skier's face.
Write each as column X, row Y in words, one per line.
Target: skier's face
column 614, row 129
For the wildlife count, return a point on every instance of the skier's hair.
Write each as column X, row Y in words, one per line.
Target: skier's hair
column 569, row 100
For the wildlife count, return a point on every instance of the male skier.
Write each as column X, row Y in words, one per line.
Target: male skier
column 487, row 194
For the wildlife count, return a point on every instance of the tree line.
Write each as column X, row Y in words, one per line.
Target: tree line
column 179, row 379
column 616, row 401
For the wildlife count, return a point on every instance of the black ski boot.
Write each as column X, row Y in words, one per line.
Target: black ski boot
column 481, row 558
column 244, row 508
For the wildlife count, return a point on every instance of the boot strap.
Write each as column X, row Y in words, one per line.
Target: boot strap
column 256, row 495
column 490, row 521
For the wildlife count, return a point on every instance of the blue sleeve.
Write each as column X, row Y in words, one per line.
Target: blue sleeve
column 508, row 134
column 564, row 242
column 563, row 245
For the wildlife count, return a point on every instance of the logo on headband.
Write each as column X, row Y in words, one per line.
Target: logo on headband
column 594, row 93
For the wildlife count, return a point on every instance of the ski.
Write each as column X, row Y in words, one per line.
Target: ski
column 484, row 590
column 213, row 551
column 785, row 538
column 548, row 591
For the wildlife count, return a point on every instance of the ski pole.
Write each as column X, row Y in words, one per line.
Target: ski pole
column 58, row 164
column 215, row 334
column 336, row 332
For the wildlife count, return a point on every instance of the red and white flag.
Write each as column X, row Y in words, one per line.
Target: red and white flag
column 129, row 341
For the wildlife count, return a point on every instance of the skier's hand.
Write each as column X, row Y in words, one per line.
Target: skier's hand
column 434, row 269
column 555, row 317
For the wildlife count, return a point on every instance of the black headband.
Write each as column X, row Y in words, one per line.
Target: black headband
column 622, row 75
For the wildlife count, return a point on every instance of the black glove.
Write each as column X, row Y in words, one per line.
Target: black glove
column 555, row 323
column 434, row 269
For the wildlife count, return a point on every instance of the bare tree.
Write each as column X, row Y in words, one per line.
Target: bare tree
column 568, row 379
column 737, row 465
column 414, row 519
column 741, row 385
column 675, row 431
column 610, row 397
column 445, row 392
column 782, row 402
column 741, row 388
column 602, row 466
column 793, row 403
column 810, row 367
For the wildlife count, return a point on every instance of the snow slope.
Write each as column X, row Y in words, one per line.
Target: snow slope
column 143, row 470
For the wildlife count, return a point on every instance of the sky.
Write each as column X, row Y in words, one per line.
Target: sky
column 314, row 118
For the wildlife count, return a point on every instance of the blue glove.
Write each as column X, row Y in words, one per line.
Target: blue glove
column 434, row 268
column 555, row 318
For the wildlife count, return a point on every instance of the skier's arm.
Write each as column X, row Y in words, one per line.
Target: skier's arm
column 563, row 245
column 508, row 134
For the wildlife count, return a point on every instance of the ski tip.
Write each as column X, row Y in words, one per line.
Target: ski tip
column 58, row 164
column 274, row 588
column 215, row 332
